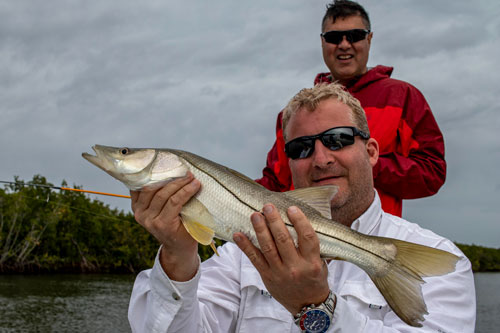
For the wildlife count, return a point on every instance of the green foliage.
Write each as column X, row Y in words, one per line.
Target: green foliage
column 43, row 230
column 483, row 259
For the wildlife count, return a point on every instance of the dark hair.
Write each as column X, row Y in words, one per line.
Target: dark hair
column 343, row 9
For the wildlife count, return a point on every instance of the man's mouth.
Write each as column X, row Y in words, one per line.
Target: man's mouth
column 325, row 179
column 345, row 56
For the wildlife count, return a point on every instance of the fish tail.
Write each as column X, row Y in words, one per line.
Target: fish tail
column 399, row 280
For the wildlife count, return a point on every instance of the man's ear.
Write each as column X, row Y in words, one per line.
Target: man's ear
column 372, row 150
column 369, row 37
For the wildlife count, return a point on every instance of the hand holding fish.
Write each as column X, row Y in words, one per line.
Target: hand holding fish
column 157, row 210
column 295, row 276
column 223, row 207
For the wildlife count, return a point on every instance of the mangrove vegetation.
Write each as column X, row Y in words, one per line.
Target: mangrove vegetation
column 42, row 230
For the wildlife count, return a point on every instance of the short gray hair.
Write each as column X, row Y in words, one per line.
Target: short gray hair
column 310, row 98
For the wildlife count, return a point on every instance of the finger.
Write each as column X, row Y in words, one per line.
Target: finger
column 159, row 197
column 172, row 205
column 251, row 251
column 307, row 239
column 266, row 241
column 282, row 238
column 134, row 195
column 141, row 199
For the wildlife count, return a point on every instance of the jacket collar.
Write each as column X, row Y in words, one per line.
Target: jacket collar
column 373, row 74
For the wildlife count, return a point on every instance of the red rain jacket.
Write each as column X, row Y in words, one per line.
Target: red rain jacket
column 411, row 163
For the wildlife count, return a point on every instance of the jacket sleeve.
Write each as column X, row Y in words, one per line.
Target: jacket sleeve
column 416, row 167
column 276, row 174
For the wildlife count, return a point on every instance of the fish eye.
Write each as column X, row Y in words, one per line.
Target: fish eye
column 124, row 151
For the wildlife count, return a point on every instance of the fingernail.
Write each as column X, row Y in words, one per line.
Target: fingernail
column 268, row 209
column 292, row 209
column 237, row 238
column 255, row 218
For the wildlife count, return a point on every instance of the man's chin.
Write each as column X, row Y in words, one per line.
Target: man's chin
column 338, row 201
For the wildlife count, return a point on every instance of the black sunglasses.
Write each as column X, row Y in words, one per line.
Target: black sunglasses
column 352, row 36
column 333, row 139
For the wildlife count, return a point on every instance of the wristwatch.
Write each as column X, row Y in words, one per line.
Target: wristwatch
column 317, row 318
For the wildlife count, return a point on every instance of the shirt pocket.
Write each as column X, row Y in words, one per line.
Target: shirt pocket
column 262, row 313
column 365, row 298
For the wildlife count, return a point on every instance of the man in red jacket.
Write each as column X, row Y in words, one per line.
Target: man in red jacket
column 411, row 163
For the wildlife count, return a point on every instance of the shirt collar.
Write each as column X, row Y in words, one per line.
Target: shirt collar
column 370, row 218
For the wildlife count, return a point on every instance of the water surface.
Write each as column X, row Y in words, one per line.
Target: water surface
column 98, row 303
column 488, row 302
column 64, row 303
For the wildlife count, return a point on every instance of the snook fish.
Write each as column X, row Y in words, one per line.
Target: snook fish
column 227, row 199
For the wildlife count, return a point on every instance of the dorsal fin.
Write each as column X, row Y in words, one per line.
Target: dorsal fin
column 317, row 197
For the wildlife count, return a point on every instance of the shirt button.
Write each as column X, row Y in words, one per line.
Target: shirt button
column 176, row 296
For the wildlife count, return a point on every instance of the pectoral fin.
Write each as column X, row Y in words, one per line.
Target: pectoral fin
column 198, row 221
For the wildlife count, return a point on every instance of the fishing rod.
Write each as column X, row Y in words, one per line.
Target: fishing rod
column 67, row 189
column 212, row 245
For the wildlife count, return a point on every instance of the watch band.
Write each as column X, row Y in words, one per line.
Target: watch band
column 317, row 318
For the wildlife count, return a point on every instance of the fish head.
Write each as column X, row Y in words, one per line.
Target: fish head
column 138, row 167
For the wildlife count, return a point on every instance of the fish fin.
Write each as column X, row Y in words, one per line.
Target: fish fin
column 198, row 221
column 401, row 279
column 212, row 245
column 424, row 260
column 318, row 197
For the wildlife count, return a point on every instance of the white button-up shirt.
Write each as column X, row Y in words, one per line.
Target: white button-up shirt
column 228, row 295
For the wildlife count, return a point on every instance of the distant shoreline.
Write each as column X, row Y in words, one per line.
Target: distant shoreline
column 42, row 231
column 483, row 260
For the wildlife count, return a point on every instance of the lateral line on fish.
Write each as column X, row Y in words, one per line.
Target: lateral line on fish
column 227, row 189
column 188, row 157
column 396, row 267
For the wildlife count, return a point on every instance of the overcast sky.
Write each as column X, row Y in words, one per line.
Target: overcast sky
column 211, row 76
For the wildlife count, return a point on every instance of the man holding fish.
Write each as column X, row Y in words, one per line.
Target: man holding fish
column 277, row 279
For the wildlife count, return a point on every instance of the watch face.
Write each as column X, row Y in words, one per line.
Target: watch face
column 315, row 321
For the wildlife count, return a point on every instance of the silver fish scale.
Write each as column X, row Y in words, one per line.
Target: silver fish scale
column 396, row 267
column 231, row 198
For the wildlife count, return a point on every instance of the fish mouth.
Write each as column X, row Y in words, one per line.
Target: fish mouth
column 99, row 159
column 91, row 158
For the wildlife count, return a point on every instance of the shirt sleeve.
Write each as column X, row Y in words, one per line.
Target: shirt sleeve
column 208, row 302
column 416, row 167
column 450, row 301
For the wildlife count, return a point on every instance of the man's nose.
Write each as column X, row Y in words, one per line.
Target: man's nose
column 344, row 43
column 322, row 156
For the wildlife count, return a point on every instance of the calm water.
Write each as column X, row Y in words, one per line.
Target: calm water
column 488, row 302
column 64, row 303
column 98, row 303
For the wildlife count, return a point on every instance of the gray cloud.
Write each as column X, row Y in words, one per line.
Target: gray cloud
column 210, row 77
